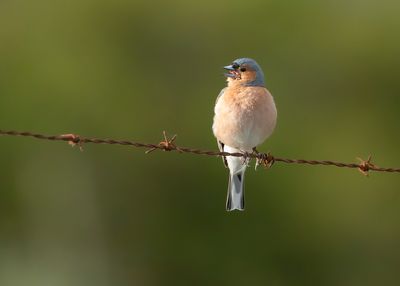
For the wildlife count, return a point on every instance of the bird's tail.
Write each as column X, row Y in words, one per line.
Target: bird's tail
column 235, row 197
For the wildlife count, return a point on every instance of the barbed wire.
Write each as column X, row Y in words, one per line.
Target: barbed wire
column 168, row 144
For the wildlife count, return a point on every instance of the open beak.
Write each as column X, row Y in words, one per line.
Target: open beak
column 232, row 72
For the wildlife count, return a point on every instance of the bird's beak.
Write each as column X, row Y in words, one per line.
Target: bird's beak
column 232, row 72
column 229, row 68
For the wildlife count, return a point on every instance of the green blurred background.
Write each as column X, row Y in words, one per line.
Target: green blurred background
column 129, row 69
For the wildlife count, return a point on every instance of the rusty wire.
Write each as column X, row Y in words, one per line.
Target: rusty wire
column 168, row 144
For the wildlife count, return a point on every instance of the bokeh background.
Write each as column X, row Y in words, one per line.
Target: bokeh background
column 112, row 215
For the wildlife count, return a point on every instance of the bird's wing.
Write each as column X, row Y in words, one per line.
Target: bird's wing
column 221, row 144
column 220, row 94
column 221, row 149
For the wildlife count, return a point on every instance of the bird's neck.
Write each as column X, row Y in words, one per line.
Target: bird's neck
column 232, row 83
column 237, row 83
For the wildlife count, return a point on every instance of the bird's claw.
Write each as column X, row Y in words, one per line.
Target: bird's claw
column 246, row 158
column 257, row 154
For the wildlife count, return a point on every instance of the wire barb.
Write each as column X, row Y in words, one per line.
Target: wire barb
column 168, row 144
column 265, row 159
column 73, row 140
column 365, row 166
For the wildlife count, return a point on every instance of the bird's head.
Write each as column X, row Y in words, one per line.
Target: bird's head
column 245, row 72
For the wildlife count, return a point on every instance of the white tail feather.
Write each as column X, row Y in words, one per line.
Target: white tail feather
column 237, row 167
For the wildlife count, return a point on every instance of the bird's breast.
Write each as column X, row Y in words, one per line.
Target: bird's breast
column 244, row 117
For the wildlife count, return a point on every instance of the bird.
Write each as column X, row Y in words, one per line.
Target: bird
column 245, row 116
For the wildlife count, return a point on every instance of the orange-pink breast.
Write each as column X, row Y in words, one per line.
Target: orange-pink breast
column 244, row 117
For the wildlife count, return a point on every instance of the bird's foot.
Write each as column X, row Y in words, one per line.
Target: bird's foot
column 246, row 158
column 255, row 152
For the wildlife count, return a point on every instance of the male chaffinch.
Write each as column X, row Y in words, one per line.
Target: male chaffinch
column 245, row 115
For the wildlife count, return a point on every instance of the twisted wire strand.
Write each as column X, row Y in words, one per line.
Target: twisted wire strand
column 168, row 144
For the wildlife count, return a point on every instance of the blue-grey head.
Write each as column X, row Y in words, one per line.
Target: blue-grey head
column 246, row 72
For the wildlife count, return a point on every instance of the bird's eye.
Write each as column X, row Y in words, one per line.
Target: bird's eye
column 242, row 69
